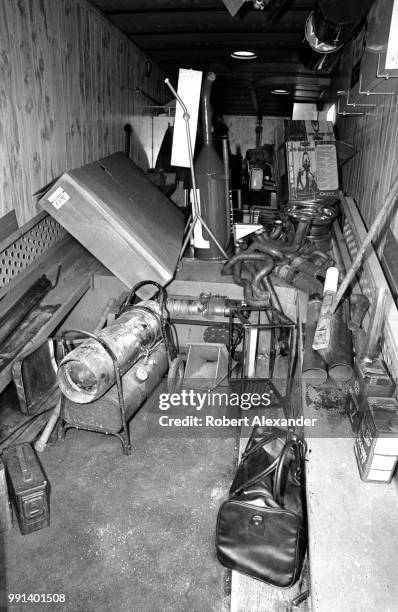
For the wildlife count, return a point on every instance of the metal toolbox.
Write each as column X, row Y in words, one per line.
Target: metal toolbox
column 29, row 488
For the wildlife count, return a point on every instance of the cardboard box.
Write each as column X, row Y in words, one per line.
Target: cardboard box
column 307, row 167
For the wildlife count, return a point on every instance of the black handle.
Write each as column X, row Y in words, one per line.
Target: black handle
column 291, row 444
column 248, row 483
column 267, row 471
column 161, row 297
column 265, row 439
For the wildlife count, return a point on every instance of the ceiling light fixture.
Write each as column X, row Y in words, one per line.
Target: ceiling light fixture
column 244, row 55
column 280, row 92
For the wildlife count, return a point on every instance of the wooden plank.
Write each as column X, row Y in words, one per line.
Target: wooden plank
column 4, row 243
column 368, row 175
column 8, row 225
column 55, row 44
column 88, row 311
column 5, row 506
column 242, row 135
column 77, row 268
column 47, row 82
column 10, row 132
column 6, row 203
column 25, row 278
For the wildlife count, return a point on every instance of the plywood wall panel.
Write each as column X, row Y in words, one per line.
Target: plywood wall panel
column 242, row 134
column 368, row 175
column 67, row 87
column 5, row 111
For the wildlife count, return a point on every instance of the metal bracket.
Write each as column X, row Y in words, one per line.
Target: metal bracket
column 345, row 113
column 372, row 93
column 355, row 104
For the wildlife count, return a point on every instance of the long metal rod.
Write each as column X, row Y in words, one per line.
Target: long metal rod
column 372, row 234
column 196, row 216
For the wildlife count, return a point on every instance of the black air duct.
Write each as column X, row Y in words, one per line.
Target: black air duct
column 328, row 28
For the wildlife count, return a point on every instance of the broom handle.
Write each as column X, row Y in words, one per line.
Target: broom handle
column 372, row 234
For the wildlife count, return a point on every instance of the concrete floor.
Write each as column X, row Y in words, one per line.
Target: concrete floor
column 131, row 533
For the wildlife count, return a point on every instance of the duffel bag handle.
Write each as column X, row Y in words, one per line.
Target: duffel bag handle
column 264, row 440
column 294, row 445
column 248, row 483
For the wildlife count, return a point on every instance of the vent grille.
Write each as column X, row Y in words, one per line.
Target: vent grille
column 26, row 249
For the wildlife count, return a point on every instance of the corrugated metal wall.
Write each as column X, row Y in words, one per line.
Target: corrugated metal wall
column 67, row 87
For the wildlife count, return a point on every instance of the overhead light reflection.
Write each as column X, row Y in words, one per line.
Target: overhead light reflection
column 244, row 55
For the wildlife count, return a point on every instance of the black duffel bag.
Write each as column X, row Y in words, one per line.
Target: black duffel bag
column 261, row 527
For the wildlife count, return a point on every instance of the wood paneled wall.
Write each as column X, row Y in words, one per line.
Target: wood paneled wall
column 242, row 131
column 368, row 175
column 67, row 87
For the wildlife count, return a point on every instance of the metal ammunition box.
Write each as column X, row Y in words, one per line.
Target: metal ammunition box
column 29, row 488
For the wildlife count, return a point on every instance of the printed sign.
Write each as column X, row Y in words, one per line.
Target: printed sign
column 58, row 198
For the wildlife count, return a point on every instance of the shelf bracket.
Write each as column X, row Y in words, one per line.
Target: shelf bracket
column 372, row 93
column 345, row 113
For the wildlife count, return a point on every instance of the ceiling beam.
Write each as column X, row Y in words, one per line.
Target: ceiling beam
column 296, row 8
column 262, row 40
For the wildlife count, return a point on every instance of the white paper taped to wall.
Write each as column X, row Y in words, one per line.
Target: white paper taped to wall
column 189, row 85
column 392, row 47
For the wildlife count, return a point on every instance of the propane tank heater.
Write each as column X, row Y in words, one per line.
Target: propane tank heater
column 87, row 372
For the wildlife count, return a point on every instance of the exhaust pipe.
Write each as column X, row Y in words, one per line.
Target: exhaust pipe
column 211, row 182
column 314, row 370
column 339, row 354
